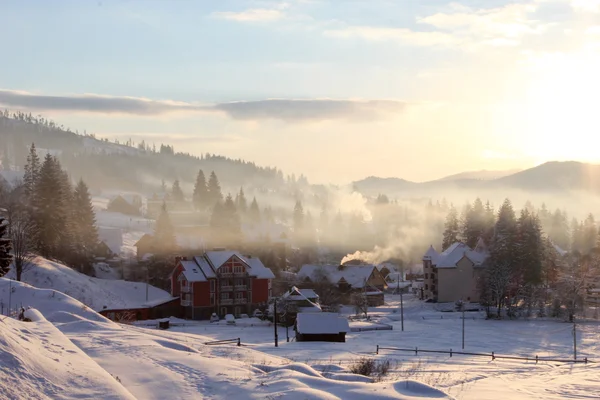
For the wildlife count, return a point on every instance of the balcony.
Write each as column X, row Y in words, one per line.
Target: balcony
column 186, row 303
column 226, row 302
column 226, row 288
column 241, row 301
column 186, row 289
column 241, row 287
column 225, row 275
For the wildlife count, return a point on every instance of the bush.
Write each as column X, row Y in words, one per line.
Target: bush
column 371, row 368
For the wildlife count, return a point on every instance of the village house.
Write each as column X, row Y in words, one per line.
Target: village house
column 347, row 279
column 110, row 242
column 302, row 300
column 453, row 274
column 222, row 282
column 321, row 327
column 126, row 204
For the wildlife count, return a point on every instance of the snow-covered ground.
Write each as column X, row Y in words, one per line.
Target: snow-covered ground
column 94, row 292
column 466, row 377
column 76, row 357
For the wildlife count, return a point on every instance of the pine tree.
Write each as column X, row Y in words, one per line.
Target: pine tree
column 225, row 223
column 474, row 224
column 589, row 234
column 51, row 210
column 176, row 192
column 241, row 203
column 576, row 236
column 200, row 197
column 529, row 248
column 254, row 212
column 298, row 220
column 164, row 234
column 84, row 223
column 559, row 230
column 451, row 229
column 502, row 263
column 214, row 190
column 32, row 173
column 5, row 247
column 490, row 221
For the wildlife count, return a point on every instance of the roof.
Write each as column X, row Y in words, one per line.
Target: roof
column 354, row 275
column 201, row 268
column 112, row 237
column 192, row 272
column 146, row 239
column 309, row 293
column 431, row 254
column 321, row 323
column 457, row 251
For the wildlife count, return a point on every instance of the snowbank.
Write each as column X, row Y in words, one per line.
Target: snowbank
column 39, row 362
column 93, row 292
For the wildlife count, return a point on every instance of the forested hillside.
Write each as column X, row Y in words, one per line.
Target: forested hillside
column 130, row 166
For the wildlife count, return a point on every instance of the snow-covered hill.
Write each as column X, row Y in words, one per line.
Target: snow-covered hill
column 93, row 292
column 76, row 357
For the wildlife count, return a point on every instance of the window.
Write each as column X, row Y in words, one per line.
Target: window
column 225, row 296
column 212, row 285
column 212, row 299
column 239, row 295
column 426, row 287
column 426, row 276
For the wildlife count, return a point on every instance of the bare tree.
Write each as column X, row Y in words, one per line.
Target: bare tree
column 574, row 281
column 22, row 233
column 22, row 230
column 360, row 303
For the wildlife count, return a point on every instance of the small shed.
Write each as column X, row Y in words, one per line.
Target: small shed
column 162, row 308
column 321, row 327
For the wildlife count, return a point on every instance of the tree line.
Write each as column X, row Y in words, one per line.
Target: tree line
column 49, row 216
column 527, row 270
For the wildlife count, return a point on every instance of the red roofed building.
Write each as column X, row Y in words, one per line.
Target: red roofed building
column 221, row 282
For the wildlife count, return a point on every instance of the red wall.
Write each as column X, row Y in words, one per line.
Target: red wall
column 260, row 290
column 202, row 294
column 175, row 285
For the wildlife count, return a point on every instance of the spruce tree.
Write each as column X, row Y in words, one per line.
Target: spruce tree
column 502, row 263
column 176, row 192
column 5, row 247
column 589, row 234
column 241, row 202
column 200, row 196
column 474, row 223
column 559, row 230
column 32, row 173
column 529, row 248
column 298, row 217
column 451, row 229
column 50, row 210
column 214, row 190
column 84, row 224
column 164, row 234
column 254, row 212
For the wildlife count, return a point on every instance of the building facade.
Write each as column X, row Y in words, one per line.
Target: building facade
column 454, row 274
column 222, row 282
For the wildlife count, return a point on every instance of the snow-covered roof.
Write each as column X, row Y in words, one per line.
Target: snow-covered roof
column 205, row 267
column 192, row 271
column 390, row 267
column 200, row 268
column 309, row 293
column 431, row 254
column 112, row 237
column 453, row 254
column 354, row 275
column 321, row 323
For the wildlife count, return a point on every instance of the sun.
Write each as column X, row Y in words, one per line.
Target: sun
column 561, row 116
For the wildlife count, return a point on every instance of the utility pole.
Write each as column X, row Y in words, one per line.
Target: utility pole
column 401, row 306
column 462, row 306
column 146, row 283
column 275, row 321
column 574, row 340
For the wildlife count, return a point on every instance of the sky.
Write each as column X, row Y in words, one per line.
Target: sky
column 336, row 90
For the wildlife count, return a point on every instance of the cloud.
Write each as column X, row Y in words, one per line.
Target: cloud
column 252, row 15
column 297, row 110
column 314, row 109
column 458, row 27
column 586, row 5
column 92, row 103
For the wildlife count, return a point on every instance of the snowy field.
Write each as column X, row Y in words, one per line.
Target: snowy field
column 70, row 352
column 94, row 292
column 465, row 377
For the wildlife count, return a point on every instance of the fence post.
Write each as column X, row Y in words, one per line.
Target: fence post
column 450, row 353
column 585, row 360
column 416, row 351
column 239, row 343
column 493, row 356
column 536, row 359
column 377, row 351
